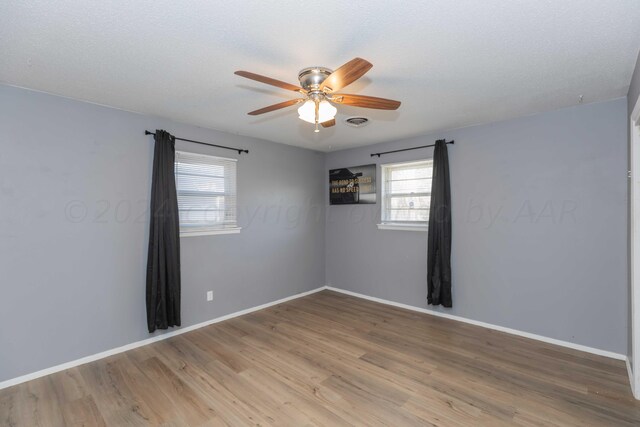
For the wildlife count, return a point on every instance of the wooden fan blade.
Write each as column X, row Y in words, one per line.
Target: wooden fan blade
column 345, row 75
column 328, row 123
column 269, row 81
column 276, row 107
column 366, row 101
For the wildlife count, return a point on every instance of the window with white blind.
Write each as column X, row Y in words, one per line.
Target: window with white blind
column 406, row 195
column 206, row 187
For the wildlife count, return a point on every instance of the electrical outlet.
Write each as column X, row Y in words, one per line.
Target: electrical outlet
column 209, row 295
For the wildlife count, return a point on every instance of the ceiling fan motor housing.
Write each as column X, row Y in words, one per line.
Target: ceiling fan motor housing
column 311, row 78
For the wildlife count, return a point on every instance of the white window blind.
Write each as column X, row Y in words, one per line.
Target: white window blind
column 206, row 187
column 406, row 192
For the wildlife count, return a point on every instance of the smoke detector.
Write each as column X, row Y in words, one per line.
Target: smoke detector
column 356, row 122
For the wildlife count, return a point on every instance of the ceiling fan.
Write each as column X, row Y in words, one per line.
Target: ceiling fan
column 318, row 86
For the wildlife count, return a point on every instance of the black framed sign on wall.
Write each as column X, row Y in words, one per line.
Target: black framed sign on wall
column 352, row 185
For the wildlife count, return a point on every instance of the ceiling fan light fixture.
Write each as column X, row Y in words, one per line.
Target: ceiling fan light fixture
column 318, row 86
column 326, row 111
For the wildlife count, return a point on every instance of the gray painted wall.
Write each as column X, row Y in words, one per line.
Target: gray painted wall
column 73, row 281
column 539, row 227
column 74, row 188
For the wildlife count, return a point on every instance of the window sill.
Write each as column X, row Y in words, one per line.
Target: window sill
column 403, row 227
column 235, row 230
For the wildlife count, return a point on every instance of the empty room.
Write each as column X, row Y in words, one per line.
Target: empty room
column 339, row 213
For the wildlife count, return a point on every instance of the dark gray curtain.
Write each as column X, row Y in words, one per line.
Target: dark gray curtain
column 163, row 258
column 439, row 244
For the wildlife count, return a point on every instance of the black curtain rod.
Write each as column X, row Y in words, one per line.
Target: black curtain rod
column 413, row 148
column 239, row 150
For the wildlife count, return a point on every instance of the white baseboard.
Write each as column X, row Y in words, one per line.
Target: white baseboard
column 574, row 346
column 107, row 353
column 632, row 382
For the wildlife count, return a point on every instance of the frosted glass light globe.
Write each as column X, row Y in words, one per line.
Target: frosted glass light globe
column 326, row 111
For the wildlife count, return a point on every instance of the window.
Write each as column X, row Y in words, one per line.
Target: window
column 406, row 195
column 206, row 187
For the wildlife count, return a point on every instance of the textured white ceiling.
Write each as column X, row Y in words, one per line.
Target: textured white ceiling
column 452, row 64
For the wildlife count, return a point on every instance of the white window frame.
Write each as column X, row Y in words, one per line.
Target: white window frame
column 216, row 229
column 399, row 225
